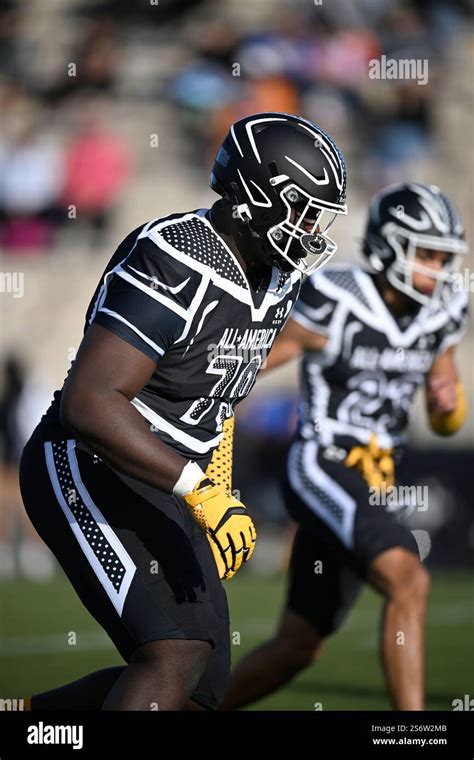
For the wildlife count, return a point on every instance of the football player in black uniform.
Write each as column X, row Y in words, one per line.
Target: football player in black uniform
column 127, row 477
column 369, row 339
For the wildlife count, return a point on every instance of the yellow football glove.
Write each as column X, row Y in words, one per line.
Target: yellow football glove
column 229, row 528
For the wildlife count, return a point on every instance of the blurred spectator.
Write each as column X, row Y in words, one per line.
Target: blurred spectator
column 97, row 166
column 23, row 399
column 9, row 47
column 30, row 181
column 269, row 93
column 13, row 382
column 94, row 60
column 303, row 52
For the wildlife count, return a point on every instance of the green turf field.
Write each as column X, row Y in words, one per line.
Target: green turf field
column 36, row 620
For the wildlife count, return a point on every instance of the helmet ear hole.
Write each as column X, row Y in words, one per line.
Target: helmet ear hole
column 236, row 190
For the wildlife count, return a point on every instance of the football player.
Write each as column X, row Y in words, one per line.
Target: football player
column 368, row 340
column 127, row 478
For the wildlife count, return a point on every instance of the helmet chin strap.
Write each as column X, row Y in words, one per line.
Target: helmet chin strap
column 266, row 252
column 251, row 245
column 278, row 260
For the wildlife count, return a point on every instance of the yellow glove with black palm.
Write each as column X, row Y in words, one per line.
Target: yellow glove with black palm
column 229, row 528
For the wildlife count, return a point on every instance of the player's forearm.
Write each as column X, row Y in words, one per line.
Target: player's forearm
column 111, row 426
column 280, row 354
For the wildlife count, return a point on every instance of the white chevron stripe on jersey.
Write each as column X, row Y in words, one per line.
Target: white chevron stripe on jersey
column 323, row 495
column 152, row 293
column 207, row 310
column 103, row 290
column 193, row 444
column 194, row 306
column 162, row 285
column 308, row 323
column 160, row 351
column 240, row 293
column 107, row 557
column 315, row 315
column 374, row 312
column 424, row 321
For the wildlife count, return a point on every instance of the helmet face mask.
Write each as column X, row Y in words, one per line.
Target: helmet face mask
column 286, row 180
column 407, row 218
column 302, row 241
column 400, row 273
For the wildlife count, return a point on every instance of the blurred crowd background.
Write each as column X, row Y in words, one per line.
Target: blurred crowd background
column 111, row 114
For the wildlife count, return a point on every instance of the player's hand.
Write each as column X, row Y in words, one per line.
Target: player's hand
column 441, row 394
column 229, row 527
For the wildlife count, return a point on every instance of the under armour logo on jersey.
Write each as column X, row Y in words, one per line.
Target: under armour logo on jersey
column 280, row 315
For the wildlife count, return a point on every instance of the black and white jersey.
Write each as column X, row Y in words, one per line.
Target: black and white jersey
column 175, row 291
column 365, row 379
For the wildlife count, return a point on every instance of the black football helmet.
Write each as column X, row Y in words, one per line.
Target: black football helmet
column 287, row 179
column 407, row 216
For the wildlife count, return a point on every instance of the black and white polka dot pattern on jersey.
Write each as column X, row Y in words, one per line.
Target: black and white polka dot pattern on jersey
column 202, row 404
column 228, row 365
column 195, row 239
column 198, row 410
column 111, row 564
column 347, row 281
column 323, row 498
